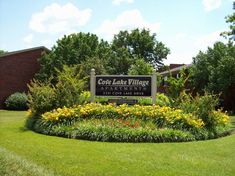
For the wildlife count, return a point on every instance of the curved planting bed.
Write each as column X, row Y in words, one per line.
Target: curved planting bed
column 129, row 123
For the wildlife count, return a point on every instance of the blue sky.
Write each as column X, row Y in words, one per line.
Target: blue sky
column 185, row 26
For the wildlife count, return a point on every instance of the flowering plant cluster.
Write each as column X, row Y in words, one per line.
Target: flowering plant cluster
column 160, row 116
column 125, row 123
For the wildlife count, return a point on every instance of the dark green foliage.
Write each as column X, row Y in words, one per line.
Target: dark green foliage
column 72, row 50
column 17, row 101
column 119, row 62
column 141, row 44
column 116, row 58
column 230, row 19
column 214, row 71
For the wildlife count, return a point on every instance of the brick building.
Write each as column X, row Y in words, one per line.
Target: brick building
column 17, row 69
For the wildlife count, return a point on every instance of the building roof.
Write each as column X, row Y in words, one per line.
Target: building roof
column 24, row 50
column 177, row 69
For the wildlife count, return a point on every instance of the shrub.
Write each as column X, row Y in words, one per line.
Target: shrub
column 85, row 97
column 44, row 96
column 201, row 106
column 41, row 97
column 145, row 101
column 17, row 101
column 69, row 87
column 161, row 100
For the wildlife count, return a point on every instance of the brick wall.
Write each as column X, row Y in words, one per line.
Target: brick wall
column 16, row 71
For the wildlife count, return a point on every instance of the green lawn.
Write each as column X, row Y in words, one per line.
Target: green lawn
column 25, row 153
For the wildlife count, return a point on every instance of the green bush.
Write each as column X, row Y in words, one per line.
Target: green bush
column 161, row 100
column 17, row 101
column 69, row 87
column 44, row 97
column 201, row 106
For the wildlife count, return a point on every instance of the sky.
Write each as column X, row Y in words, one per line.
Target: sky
column 184, row 26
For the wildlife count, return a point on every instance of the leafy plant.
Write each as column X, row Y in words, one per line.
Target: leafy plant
column 177, row 85
column 140, row 67
column 42, row 97
column 161, row 100
column 69, row 86
column 17, row 101
column 201, row 106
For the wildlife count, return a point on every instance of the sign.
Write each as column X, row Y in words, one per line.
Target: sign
column 123, row 86
column 123, row 101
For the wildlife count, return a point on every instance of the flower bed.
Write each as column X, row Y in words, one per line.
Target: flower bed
column 128, row 123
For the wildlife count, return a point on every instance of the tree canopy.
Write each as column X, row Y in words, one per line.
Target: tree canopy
column 141, row 44
column 116, row 58
column 230, row 19
column 214, row 70
column 72, row 50
column 140, row 68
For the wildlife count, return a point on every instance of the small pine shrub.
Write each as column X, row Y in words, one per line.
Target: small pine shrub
column 17, row 101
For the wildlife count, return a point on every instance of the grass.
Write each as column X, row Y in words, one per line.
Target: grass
column 24, row 152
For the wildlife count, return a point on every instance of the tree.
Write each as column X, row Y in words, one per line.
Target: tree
column 93, row 62
column 140, row 44
column 231, row 33
column 2, row 52
column 140, row 68
column 119, row 62
column 214, row 70
column 72, row 50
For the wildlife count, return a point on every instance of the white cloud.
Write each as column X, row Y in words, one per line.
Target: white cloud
column 210, row 5
column 28, row 39
column 181, row 48
column 203, row 42
column 125, row 21
column 118, row 2
column 184, row 46
column 48, row 43
column 179, row 58
column 57, row 18
column 180, row 36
